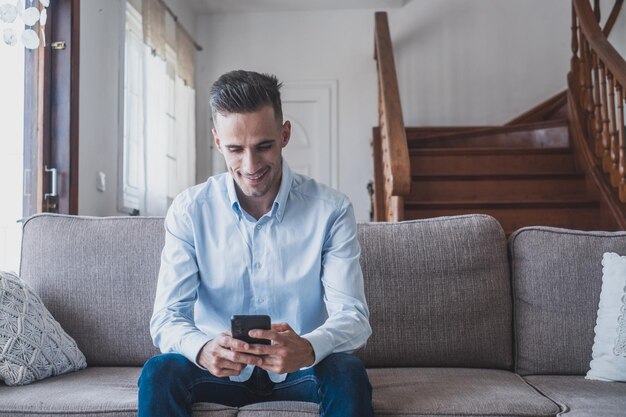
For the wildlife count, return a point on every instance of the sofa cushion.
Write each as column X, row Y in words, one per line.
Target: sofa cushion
column 33, row 345
column 455, row 392
column 609, row 345
column 97, row 276
column 578, row 397
column 280, row 409
column 105, row 391
column 557, row 277
column 439, row 293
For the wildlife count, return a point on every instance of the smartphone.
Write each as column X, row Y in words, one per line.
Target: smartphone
column 241, row 325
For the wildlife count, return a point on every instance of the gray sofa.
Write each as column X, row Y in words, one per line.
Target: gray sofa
column 464, row 324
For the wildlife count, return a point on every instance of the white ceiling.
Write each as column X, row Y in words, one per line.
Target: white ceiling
column 226, row 6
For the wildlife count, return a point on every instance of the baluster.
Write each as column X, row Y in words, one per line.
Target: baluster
column 589, row 107
column 622, row 144
column 581, row 71
column 614, row 169
column 596, row 9
column 574, row 63
column 606, row 143
column 597, row 107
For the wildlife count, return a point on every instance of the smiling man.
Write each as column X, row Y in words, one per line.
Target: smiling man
column 259, row 239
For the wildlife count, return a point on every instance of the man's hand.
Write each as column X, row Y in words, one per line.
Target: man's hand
column 288, row 353
column 225, row 356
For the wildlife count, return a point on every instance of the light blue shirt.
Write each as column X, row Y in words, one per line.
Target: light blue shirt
column 299, row 264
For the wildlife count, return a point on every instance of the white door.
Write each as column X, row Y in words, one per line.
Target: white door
column 311, row 107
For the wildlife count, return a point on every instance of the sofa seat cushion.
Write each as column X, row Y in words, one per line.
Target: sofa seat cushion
column 579, row 397
column 105, row 391
column 455, row 392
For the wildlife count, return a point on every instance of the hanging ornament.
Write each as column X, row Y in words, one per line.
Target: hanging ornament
column 30, row 39
column 30, row 16
column 8, row 13
column 9, row 36
column 45, row 3
column 19, row 5
column 43, row 18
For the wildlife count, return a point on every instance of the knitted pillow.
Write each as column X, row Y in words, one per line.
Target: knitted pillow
column 33, row 345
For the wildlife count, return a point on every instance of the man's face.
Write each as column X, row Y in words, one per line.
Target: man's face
column 252, row 146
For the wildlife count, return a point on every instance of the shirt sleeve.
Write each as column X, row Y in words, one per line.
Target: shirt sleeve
column 347, row 327
column 172, row 325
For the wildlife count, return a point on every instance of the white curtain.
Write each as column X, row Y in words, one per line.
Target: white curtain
column 155, row 77
column 159, row 141
column 186, row 134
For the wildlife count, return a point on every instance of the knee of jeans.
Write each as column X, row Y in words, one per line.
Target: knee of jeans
column 343, row 364
column 164, row 367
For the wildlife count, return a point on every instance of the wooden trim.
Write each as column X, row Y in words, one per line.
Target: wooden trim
column 542, row 111
column 482, row 131
column 379, row 178
column 394, row 144
column 610, row 22
column 63, row 107
column 587, row 161
column 75, row 107
column 598, row 42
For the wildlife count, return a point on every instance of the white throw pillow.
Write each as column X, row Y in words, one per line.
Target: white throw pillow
column 33, row 345
column 609, row 346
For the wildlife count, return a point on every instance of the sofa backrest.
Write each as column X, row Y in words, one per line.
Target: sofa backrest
column 97, row 276
column 438, row 290
column 439, row 293
column 557, row 278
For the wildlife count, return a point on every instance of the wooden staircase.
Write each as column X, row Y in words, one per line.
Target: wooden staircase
column 521, row 175
column 539, row 169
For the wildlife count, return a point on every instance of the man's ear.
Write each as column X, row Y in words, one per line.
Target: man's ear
column 216, row 140
column 286, row 133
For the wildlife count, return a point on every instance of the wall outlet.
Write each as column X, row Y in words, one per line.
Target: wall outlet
column 101, row 182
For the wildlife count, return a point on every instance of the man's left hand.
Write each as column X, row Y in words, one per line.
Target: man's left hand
column 288, row 352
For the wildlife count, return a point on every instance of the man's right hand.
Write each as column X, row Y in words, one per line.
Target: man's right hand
column 220, row 356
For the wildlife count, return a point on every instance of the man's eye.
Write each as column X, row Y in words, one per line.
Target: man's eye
column 265, row 147
column 235, row 150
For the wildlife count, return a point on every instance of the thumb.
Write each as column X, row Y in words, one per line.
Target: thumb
column 281, row 327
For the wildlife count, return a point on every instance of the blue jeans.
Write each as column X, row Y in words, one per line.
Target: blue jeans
column 169, row 384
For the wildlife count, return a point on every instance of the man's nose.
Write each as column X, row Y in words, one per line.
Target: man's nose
column 250, row 162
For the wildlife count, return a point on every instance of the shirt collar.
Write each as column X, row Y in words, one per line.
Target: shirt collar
column 280, row 202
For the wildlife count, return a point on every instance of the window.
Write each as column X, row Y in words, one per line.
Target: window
column 11, row 153
column 159, row 122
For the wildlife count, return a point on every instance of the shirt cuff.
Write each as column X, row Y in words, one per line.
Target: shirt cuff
column 322, row 347
column 192, row 344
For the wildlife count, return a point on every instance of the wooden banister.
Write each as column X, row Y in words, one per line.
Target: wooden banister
column 596, row 87
column 392, row 143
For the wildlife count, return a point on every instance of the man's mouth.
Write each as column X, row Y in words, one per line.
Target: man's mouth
column 256, row 178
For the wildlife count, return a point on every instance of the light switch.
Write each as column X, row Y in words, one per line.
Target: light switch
column 101, row 182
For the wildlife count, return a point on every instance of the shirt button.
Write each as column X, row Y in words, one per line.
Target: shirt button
column 258, row 227
column 261, row 300
column 257, row 265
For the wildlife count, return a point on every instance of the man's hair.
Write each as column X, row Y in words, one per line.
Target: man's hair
column 244, row 92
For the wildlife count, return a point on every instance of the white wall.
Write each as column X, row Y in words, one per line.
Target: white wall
column 459, row 62
column 102, row 39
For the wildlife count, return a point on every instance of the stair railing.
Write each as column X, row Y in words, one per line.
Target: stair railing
column 392, row 170
column 597, row 80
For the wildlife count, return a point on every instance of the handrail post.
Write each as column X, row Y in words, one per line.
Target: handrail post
column 394, row 148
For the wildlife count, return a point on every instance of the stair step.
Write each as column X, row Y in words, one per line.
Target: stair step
column 462, row 161
column 582, row 215
column 544, row 134
column 570, row 187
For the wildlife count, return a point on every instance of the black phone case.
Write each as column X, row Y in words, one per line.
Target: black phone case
column 241, row 325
